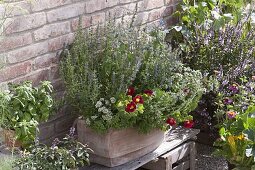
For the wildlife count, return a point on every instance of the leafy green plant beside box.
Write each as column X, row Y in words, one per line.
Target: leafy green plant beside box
column 22, row 108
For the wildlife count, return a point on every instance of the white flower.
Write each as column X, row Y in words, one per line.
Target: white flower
column 101, row 109
column 94, row 117
column 113, row 100
column 105, row 111
column 107, row 117
column 98, row 104
column 101, row 99
column 107, row 102
column 87, row 121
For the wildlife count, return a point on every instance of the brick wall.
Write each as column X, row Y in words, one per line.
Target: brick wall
column 34, row 36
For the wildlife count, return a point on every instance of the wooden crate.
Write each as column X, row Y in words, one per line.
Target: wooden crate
column 182, row 157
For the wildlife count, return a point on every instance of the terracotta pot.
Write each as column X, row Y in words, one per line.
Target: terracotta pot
column 9, row 139
column 117, row 147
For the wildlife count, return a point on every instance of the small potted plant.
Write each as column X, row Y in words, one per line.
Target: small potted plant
column 237, row 127
column 67, row 154
column 23, row 107
column 128, row 87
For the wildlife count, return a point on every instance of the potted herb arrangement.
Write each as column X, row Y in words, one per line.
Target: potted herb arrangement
column 23, row 107
column 127, row 86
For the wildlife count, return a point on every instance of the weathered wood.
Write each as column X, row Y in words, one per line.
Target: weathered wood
column 193, row 153
column 172, row 139
column 182, row 166
column 165, row 161
column 117, row 147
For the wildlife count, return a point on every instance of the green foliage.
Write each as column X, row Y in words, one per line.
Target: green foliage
column 23, row 107
column 101, row 65
column 237, row 123
column 215, row 35
column 66, row 154
column 237, row 142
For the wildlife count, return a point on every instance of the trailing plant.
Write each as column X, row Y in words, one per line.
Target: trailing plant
column 24, row 106
column 65, row 154
column 102, row 64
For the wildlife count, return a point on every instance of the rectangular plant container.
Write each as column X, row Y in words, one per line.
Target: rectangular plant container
column 117, row 147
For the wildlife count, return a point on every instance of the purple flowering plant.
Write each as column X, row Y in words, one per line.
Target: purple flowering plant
column 234, row 99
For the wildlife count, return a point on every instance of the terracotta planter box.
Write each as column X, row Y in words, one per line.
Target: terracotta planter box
column 9, row 139
column 117, row 147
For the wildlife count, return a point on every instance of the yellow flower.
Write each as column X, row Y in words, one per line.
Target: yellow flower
column 239, row 137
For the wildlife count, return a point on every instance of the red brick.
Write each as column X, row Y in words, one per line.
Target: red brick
column 52, row 30
column 27, row 52
column 95, row 5
column 150, row 4
column 54, row 73
column 85, row 22
column 98, row 18
column 155, row 14
column 24, row 22
column 39, row 5
column 66, row 12
column 172, row 2
column 11, row 42
column 15, row 8
column 120, row 11
column 14, row 71
column 59, row 42
column 35, row 77
column 168, row 11
column 44, row 61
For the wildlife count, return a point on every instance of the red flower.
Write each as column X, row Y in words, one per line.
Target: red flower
column 131, row 91
column 131, row 107
column 171, row 121
column 188, row 123
column 148, row 92
column 138, row 99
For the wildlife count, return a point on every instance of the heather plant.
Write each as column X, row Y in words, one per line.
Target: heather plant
column 107, row 68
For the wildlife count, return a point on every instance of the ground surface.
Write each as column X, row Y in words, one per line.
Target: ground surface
column 207, row 162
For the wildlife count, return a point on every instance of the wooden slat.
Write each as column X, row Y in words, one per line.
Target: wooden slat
column 178, row 153
column 165, row 161
column 173, row 139
column 193, row 153
column 182, row 166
